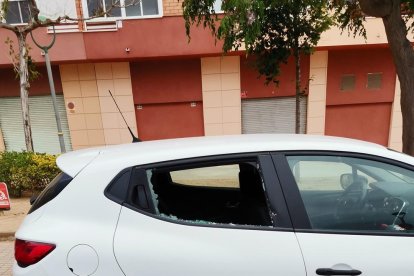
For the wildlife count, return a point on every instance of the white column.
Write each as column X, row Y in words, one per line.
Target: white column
column 2, row 145
column 317, row 93
column 395, row 137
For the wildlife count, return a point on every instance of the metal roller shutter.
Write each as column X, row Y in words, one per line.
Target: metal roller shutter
column 272, row 115
column 44, row 129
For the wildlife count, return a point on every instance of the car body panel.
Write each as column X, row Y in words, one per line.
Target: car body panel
column 149, row 246
column 82, row 214
column 372, row 255
column 133, row 154
column 72, row 163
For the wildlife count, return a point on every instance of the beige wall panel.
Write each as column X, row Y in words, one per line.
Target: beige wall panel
column 2, row 145
column 120, row 70
column 91, row 105
column 89, row 88
column 231, row 98
column 213, row 115
column 104, row 86
column 230, row 81
column 72, row 89
column 79, row 138
column 125, row 103
column 96, row 137
column 231, row 114
column 396, row 127
column 78, row 103
column 210, row 65
column 112, row 136
column 213, row 129
column 230, row 64
column 221, row 95
column 316, row 125
column 76, row 121
column 107, row 105
column 110, row 120
column 212, row 99
column 231, row 128
column 95, row 120
column 103, row 71
column 211, row 82
column 86, row 71
column 122, row 87
column 317, row 93
column 69, row 72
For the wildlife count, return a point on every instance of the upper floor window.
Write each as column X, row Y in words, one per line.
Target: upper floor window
column 18, row 12
column 124, row 8
column 217, row 6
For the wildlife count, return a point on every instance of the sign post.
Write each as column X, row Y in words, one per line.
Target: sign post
column 4, row 197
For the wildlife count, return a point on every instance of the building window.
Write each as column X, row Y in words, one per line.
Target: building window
column 347, row 82
column 18, row 12
column 374, row 81
column 124, row 8
column 217, row 6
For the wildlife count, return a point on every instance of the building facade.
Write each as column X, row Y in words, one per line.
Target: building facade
column 168, row 88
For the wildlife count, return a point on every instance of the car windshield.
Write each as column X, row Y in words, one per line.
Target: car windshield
column 382, row 174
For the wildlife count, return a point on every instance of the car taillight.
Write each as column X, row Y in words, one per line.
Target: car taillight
column 28, row 253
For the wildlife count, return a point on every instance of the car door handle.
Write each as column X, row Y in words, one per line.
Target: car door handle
column 330, row 271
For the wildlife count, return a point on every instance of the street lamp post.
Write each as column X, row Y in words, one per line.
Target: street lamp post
column 45, row 49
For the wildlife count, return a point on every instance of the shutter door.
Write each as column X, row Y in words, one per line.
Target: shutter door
column 272, row 115
column 42, row 117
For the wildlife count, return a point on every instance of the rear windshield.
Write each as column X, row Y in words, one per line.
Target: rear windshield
column 51, row 191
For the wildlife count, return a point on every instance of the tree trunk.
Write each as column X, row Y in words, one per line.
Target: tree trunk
column 403, row 55
column 24, row 89
column 297, row 88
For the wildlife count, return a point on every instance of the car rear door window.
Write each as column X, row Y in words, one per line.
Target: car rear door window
column 354, row 194
column 230, row 193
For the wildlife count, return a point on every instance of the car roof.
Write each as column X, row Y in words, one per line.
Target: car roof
column 171, row 149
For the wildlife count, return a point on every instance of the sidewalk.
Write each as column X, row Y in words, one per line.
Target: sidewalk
column 10, row 220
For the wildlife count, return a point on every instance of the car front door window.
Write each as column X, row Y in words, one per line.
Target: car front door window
column 354, row 194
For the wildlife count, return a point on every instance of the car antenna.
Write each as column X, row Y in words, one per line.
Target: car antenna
column 134, row 138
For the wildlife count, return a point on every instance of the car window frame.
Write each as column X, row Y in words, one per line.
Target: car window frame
column 294, row 202
column 273, row 191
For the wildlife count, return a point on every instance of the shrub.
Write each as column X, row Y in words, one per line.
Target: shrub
column 27, row 171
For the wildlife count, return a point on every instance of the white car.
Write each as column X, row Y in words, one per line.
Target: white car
column 289, row 205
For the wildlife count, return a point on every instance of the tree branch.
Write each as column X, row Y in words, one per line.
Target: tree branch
column 376, row 8
column 9, row 27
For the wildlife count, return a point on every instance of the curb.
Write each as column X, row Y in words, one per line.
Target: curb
column 7, row 236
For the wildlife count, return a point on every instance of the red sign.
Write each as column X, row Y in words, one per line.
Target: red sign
column 4, row 197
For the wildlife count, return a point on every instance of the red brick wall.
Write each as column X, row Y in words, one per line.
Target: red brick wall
column 254, row 87
column 166, row 81
column 10, row 87
column 360, row 113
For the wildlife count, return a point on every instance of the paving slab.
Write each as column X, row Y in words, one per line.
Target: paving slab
column 6, row 257
column 10, row 220
column 9, row 223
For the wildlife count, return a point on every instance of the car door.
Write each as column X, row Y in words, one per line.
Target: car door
column 352, row 214
column 161, row 232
